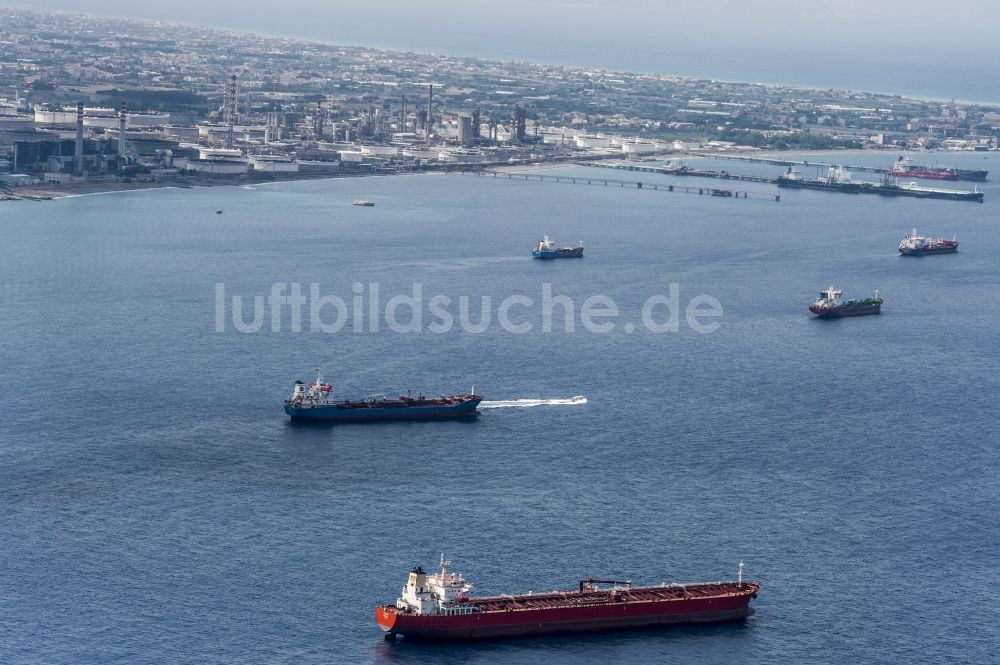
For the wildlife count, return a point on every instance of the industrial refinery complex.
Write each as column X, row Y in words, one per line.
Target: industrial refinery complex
column 101, row 100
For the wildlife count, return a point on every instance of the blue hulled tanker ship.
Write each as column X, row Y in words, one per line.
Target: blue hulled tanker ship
column 315, row 402
column 547, row 249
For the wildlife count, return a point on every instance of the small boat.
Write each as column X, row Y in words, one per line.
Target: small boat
column 546, row 249
column 364, row 203
column 830, row 306
column 219, row 211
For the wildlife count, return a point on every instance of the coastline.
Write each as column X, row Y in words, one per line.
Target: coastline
column 43, row 192
column 48, row 192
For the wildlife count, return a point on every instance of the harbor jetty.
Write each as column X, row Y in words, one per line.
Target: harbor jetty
column 625, row 184
column 888, row 186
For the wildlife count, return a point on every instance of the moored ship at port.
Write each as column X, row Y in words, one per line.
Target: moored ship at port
column 891, row 186
column 547, row 249
column 836, row 179
column 905, row 168
column 439, row 606
column 830, row 305
column 974, row 175
column 839, row 179
column 315, row 402
column 916, row 245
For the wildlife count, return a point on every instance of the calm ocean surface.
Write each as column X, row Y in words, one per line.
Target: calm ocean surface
column 157, row 505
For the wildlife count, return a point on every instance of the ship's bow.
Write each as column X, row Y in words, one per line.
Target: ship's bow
column 386, row 618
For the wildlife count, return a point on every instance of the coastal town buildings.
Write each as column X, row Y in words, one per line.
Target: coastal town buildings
column 163, row 100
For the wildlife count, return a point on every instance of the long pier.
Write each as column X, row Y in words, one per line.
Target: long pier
column 686, row 171
column 786, row 162
column 630, row 184
column 859, row 188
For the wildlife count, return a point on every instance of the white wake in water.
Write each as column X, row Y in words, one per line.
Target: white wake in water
column 507, row 403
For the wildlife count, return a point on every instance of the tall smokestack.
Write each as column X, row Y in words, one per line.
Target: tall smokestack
column 230, row 115
column 121, row 136
column 78, row 155
column 430, row 117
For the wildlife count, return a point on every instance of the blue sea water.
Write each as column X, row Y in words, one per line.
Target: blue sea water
column 157, row 506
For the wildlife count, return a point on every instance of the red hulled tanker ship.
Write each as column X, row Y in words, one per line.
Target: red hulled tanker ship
column 438, row 606
column 917, row 245
column 904, row 168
